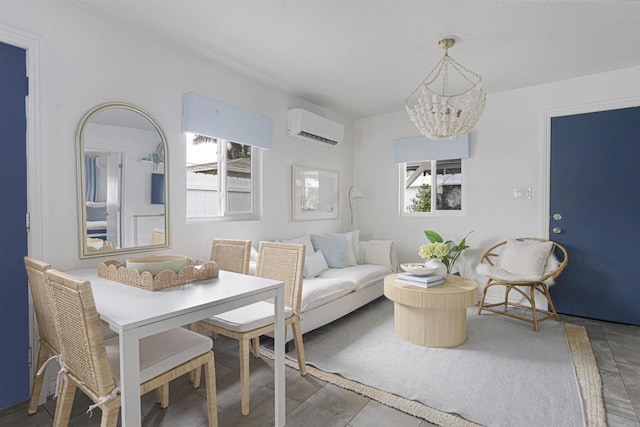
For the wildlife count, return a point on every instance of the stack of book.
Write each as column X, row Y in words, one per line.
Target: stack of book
column 425, row 281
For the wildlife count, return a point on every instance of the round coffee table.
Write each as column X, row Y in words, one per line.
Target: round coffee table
column 435, row 316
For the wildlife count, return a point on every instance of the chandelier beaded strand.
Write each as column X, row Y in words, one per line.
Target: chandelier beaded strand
column 439, row 115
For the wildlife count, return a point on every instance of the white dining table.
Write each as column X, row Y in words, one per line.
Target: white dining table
column 135, row 313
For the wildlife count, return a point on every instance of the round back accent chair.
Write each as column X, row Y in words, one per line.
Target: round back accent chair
column 553, row 258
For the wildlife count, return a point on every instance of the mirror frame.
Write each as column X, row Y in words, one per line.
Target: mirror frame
column 80, row 180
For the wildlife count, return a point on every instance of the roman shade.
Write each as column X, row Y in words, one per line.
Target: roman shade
column 206, row 116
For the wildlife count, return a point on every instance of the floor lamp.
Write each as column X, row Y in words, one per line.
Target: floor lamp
column 354, row 193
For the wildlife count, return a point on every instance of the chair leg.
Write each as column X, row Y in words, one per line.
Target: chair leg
column 197, row 376
column 64, row 403
column 484, row 295
column 210, row 383
column 255, row 347
column 110, row 414
column 506, row 297
column 195, row 327
column 534, row 312
column 162, row 395
column 43, row 355
column 297, row 339
column 244, row 374
column 551, row 305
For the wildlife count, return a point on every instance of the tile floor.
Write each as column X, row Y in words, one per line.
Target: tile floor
column 314, row 403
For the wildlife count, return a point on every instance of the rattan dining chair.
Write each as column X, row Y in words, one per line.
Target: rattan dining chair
column 278, row 261
column 93, row 364
column 158, row 236
column 106, row 246
column 42, row 304
column 231, row 255
column 492, row 258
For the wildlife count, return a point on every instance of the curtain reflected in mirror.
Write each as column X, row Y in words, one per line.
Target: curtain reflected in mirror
column 122, row 193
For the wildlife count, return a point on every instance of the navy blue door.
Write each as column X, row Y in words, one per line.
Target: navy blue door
column 14, row 299
column 595, row 174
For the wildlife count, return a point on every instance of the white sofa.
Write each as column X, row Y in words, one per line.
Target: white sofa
column 332, row 292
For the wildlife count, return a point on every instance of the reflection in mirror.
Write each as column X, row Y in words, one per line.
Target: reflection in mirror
column 122, row 191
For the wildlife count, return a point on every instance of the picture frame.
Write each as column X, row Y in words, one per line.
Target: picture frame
column 314, row 193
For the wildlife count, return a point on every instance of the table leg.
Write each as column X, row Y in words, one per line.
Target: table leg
column 130, row 379
column 279, row 372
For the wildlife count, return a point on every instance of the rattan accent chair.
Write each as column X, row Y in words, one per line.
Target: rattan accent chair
column 526, row 288
column 93, row 364
column 231, row 255
column 41, row 295
column 278, row 261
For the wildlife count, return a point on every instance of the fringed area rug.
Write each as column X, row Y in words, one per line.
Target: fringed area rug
column 505, row 374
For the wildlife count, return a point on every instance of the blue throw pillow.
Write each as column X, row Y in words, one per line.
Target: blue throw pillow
column 334, row 249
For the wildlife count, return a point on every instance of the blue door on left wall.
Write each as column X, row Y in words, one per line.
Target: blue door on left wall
column 14, row 297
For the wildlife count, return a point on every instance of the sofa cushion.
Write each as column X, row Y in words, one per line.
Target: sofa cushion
column 362, row 275
column 334, row 249
column 353, row 246
column 304, row 240
column 377, row 252
column 314, row 264
column 318, row 291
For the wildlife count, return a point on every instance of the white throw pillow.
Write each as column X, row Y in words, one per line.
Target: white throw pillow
column 526, row 257
column 314, row 264
column 334, row 249
column 377, row 252
column 304, row 240
column 353, row 245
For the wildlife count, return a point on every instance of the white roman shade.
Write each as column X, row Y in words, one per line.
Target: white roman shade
column 420, row 148
column 217, row 119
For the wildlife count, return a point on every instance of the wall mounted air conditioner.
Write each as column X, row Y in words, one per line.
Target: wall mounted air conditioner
column 307, row 125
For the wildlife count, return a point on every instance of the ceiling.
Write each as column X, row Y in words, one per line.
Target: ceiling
column 362, row 58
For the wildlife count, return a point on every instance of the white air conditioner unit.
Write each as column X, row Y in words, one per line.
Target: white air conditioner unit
column 307, row 125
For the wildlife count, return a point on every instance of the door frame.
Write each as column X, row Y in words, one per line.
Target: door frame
column 546, row 155
column 31, row 45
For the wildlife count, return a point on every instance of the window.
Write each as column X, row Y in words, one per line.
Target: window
column 431, row 186
column 222, row 179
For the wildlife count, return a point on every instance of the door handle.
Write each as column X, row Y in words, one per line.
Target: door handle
column 556, row 230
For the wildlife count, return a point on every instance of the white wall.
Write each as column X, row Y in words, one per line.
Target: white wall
column 507, row 150
column 85, row 60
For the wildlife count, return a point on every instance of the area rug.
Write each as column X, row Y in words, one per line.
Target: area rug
column 505, row 374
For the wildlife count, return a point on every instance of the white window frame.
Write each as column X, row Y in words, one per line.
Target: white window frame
column 434, row 211
column 256, row 189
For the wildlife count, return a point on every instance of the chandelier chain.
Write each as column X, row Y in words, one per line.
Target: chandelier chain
column 445, row 79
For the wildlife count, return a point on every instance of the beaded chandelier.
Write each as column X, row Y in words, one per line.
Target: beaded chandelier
column 438, row 114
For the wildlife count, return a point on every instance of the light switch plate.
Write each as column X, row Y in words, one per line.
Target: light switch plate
column 522, row 193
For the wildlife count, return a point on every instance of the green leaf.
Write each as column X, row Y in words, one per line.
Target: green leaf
column 433, row 236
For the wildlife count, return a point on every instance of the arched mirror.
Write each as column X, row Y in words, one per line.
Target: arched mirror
column 123, row 193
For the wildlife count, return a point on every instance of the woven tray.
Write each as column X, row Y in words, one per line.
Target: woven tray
column 193, row 271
